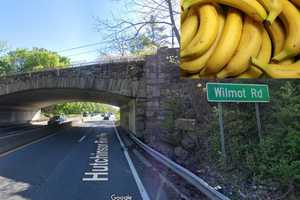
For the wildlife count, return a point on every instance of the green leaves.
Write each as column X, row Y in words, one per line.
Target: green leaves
column 277, row 157
column 24, row 60
column 80, row 107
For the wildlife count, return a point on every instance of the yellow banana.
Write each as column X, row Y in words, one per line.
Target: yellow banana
column 183, row 12
column 290, row 15
column 209, row 76
column 274, row 7
column 279, row 74
column 282, row 67
column 206, row 34
column 229, row 42
column 194, row 76
column 296, row 2
column 188, row 29
column 264, row 56
column 249, row 46
column 194, row 66
column 287, row 61
column 198, row 76
column 251, row 73
column 279, row 71
column 277, row 34
column 251, row 7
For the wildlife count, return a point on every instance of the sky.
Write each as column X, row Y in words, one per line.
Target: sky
column 55, row 24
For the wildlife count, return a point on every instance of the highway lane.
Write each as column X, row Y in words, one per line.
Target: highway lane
column 15, row 128
column 7, row 134
column 76, row 163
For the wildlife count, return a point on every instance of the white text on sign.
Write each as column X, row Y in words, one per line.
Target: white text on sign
column 99, row 171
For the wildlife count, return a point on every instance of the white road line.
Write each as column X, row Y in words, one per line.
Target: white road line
column 24, row 132
column 26, row 145
column 81, row 139
column 137, row 179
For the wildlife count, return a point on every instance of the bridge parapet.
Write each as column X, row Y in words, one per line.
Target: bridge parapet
column 126, row 68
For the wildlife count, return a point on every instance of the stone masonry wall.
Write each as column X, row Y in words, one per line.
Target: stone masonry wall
column 161, row 70
column 164, row 85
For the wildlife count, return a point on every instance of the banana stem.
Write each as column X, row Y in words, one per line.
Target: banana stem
column 272, row 16
column 259, row 64
column 282, row 55
column 186, row 4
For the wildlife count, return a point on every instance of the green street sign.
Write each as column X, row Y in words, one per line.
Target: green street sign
column 232, row 92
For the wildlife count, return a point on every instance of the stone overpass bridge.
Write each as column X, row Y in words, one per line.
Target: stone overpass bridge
column 133, row 85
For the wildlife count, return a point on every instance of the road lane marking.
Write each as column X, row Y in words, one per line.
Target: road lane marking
column 24, row 132
column 26, row 145
column 137, row 179
column 99, row 171
column 82, row 138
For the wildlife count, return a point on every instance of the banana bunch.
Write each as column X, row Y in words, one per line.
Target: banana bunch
column 240, row 38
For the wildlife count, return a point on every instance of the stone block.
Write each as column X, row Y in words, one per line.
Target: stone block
column 185, row 124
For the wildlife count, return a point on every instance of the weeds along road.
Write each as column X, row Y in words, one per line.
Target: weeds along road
column 81, row 163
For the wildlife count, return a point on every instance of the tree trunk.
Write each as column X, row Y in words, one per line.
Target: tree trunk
column 174, row 28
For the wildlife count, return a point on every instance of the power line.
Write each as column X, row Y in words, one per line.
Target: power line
column 85, row 52
column 82, row 46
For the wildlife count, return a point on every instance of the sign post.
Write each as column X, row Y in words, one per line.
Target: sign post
column 221, row 124
column 258, row 121
column 232, row 92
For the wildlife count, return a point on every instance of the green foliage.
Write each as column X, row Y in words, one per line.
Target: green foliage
column 24, row 60
column 3, row 47
column 5, row 67
column 141, row 46
column 277, row 156
column 80, row 107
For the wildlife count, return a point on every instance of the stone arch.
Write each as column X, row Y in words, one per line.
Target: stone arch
column 118, row 84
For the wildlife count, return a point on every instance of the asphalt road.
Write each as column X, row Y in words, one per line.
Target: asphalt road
column 78, row 163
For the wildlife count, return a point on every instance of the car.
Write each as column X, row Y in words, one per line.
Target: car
column 56, row 120
column 85, row 114
column 106, row 116
column 112, row 117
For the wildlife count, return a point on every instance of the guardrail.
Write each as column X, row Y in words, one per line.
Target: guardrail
column 108, row 60
column 190, row 177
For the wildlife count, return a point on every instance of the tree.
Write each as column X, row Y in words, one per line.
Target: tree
column 3, row 47
column 79, row 107
column 23, row 60
column 155, row 20
column 5, row 67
